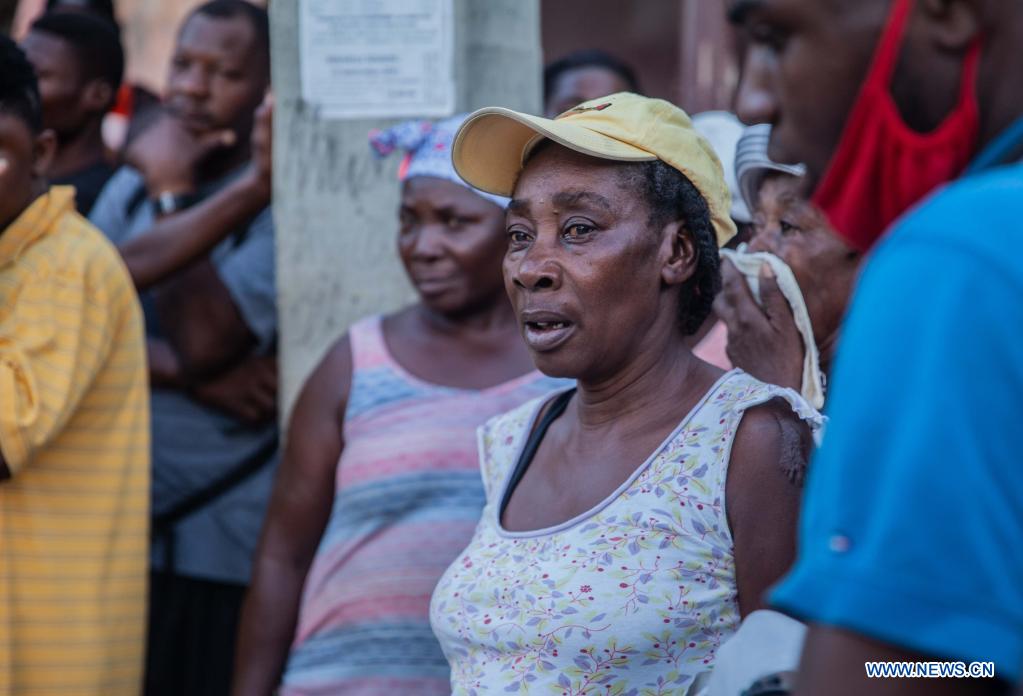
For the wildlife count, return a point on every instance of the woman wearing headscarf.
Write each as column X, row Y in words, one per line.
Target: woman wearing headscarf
column 784, row 328
column 379, row 489
column 631, row 521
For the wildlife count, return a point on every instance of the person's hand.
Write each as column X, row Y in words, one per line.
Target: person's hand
column 260, row 171
column 167, row 153
column 762, row 340
column 247, row 391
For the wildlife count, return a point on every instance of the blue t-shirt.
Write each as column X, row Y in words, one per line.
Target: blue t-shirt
column 912, row 526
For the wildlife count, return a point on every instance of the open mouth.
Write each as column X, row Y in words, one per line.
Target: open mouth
column 540, row 326
column 543, row 334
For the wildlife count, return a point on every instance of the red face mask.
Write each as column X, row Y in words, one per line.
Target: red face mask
column 881, row 166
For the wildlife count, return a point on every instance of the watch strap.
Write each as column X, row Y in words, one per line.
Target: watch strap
column 168, row 202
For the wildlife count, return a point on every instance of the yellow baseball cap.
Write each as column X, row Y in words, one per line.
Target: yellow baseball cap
column 493, row 144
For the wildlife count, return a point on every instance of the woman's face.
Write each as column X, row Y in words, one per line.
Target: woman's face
column 451, row 242
column 584, row 269
column 790, row 227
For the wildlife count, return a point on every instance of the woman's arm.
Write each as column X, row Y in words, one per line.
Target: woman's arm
column 762, row 497
column 299, row 510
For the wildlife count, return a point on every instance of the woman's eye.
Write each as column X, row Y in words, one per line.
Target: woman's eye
column 518, row 237
column 577, row 230
column 457, row 223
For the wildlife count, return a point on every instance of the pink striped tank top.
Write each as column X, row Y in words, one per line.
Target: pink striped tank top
column 407, row 499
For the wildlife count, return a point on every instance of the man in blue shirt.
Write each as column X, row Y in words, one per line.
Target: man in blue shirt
column 911, row 545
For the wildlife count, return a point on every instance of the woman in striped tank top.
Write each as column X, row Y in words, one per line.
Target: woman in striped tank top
column 380, row 486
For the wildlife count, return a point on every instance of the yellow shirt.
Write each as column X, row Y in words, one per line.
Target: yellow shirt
column 74, row 431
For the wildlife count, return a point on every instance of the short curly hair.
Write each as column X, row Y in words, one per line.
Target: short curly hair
column 671, row 196
column 95, row 42
column 587, row 59
column 19, row 90
column 257, row 18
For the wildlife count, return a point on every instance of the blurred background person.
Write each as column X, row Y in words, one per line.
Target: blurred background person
column 79, row 62
column 191, row 218
column 911, row 131
column 787, row 225
column 74, row 455
column 582, row 76
column 380, row 486
column 133, row 101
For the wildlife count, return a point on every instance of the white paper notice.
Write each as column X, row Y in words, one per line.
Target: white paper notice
column 378, row 58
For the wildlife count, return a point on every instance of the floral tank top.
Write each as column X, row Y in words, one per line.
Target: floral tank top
column 633, row 596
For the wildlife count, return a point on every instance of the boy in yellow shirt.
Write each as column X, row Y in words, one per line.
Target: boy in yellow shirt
column 74, row 429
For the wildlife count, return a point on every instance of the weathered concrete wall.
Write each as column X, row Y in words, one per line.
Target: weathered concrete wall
column 335, row 206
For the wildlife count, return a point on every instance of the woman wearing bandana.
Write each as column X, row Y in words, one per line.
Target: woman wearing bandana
column 380, row 488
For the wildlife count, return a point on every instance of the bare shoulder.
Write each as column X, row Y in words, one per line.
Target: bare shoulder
column 337, row 360
column 763, row 493
column 771, row 437
column 325, row 393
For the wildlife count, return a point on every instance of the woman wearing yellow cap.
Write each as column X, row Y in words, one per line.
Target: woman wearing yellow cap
column 631, row 521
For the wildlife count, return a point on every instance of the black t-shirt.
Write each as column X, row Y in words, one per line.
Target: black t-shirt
column 88, row 183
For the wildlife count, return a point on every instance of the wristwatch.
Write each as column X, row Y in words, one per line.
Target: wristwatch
column 167, row 202
column 777, row 684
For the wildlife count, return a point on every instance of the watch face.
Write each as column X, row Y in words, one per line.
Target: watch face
column 167, row 203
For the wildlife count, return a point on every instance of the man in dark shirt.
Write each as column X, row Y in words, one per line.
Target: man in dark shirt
column 79, row 62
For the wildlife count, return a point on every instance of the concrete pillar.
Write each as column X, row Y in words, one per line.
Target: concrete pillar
column 335, row 205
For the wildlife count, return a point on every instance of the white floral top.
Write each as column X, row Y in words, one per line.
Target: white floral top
column 632, row 597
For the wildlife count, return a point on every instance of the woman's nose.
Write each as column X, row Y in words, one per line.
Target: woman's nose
column 762, row 240
column 536, row 271
column 428, row 243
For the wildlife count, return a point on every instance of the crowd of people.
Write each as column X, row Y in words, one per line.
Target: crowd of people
column 683, row 405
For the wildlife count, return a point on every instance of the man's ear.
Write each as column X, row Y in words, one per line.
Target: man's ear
column 679, row 254
column 954, row 24
column 97, row 96
column 43, row 151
